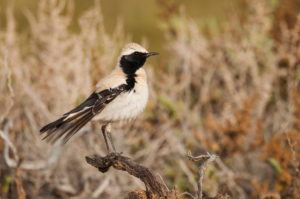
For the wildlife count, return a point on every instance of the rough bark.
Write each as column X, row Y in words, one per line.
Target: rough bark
column 154, row 188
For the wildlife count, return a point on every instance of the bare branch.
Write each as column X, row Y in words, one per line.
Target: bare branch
column 18, row 179
column 26, row 165
column 6, row 124
column 154, row 189
column 204, row 160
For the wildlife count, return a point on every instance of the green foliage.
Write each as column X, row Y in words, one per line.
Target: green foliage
column 276, row 165
column 7, row 181
column 168, row 105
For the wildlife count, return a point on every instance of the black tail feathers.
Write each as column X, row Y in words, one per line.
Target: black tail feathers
column 66, row 126
column 74, row 120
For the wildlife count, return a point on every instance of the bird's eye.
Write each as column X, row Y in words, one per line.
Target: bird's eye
column 136, row 53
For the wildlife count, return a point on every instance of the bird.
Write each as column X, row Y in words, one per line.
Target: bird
column 120, row 96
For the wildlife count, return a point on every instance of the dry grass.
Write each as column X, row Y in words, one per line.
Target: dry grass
column 234, row 92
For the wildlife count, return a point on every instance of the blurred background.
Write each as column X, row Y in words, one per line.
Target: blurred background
column 226, row 82
column 141, row 19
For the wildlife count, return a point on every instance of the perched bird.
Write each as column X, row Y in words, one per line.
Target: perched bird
column 119, row 96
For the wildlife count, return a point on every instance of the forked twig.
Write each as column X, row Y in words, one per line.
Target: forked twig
column 204, row 160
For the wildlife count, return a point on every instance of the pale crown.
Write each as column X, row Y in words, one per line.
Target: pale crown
column 131, row 48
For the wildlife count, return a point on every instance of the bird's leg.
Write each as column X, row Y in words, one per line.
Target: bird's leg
column 110, row 137
column 103, row 128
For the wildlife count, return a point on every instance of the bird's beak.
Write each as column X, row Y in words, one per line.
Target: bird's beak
column 151, row 54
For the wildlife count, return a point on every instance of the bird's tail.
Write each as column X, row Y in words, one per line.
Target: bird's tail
column 67, row 125
column 74, row 120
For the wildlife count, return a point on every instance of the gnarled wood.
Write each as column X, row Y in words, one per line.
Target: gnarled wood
column 154, row 188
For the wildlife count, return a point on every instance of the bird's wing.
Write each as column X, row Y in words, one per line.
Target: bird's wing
column 74, row 120
column 115, row 78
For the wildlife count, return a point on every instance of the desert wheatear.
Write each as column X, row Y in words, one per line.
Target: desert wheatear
column 119, row 96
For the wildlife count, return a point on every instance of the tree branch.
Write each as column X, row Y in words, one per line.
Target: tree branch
column 154, row 188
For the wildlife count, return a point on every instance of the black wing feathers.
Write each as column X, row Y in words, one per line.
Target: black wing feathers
column 74, row 120
column 90, row 101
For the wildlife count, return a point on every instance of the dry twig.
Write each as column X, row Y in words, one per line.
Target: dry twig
column 18, row 179
column 12, row 162
column 154, row 189
column 204, row 160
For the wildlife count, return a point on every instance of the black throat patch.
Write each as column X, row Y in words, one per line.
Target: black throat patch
column 130, row 64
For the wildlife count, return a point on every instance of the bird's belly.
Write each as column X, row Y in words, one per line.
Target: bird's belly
column 126, row 106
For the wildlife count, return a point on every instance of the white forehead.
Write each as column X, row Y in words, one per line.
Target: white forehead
column 132, row 47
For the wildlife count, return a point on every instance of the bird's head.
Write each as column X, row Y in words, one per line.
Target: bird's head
column 133, row 56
